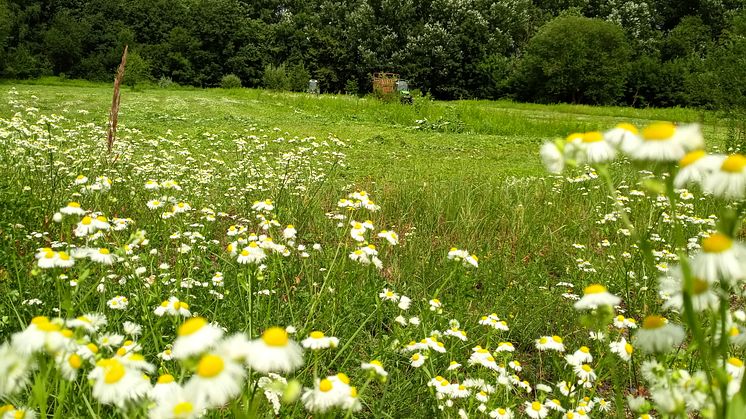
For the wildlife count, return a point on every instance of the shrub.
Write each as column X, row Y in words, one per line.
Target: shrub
column 275, row 77
column 166, row 82
column 575, row 59
column 298, row 78
column 230, row 81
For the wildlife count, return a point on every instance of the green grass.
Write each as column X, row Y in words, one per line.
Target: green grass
column 475, row 183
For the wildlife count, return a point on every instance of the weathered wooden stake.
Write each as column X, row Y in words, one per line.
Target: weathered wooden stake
column 114, row 114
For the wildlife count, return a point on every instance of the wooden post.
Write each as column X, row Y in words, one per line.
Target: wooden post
column 114, row 114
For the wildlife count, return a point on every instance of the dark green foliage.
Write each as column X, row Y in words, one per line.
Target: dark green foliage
column 577, row 60
column 447, row 49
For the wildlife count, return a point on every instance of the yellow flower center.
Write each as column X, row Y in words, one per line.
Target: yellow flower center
column 736, row 362
column 210, row 365
column 717, row 243
column 317, row 334
column 64, row 256
column 584, row 349
column 586, row 368
column 86, row 220
column 700, row 286
column 691, row 157
column 48, row 327
column 114, row 371
column 165, row 379
column 536, row 406
column 734, row 163
column 595, row 289
column 659, row 131
column 121, row 351
column 275, row 336
column 104, row 251
column 653, row 322
column 343, row 378
column 415, row 357
column 191, row 326
column 325, row 385
column 92, row 347
column 734, row 331
column 570, row 415
column 75, row 361
column 244, row 252
column 291, row 226
column 67, row 333
column 501, row 411
column 102, row 218
column 73, row 204
column 49, row 254
column 628, row 348
column 183, row 408
column 628, row 127
column 353, row 392
column 576, row 136
column 593, row 137
column 543, row 340
column 557, row 339
column 376, row 362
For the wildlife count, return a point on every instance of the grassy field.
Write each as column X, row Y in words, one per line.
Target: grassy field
column 463, row 175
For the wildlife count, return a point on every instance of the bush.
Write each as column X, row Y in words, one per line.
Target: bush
column 166, row 82
column 574, row 59
column 298, row 78
column 275, row 77
column 351, row 87
column 230, row 81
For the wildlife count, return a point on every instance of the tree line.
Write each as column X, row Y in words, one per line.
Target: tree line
column 640, row 53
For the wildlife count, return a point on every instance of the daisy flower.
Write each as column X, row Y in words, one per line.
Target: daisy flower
column 164, row 389
column 251, row 254
column 728, row 181
column 289, row 232
column 85, row 227
column 594, row 296
column 274, row 351
column 72, row 208
column 81, row 180
column 173, row 307
column 435, row 304
column 721, row 258
column 584, row 372
column 324, row 396
column 102, row 255
column 16, row 367
column 550, row 343
column 390, row 236
column 417, row 360
column 317, row 340
column 696, row 166
column 657, row 335
column 182, row 404
column 552, row 158
column 624, row 136
column 671, row 289
column 216, row 381
column 595, row 149
column 119, row 302
column 195, row 336
column 114, row 383
column 388, row 295
column 154, row 204
column 91, row 322
column 664, row 141
column 501, row 413
column 535, row 410
column 622, row 348
column 376, row 367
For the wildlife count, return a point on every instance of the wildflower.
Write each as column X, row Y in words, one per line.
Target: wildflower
column 251, row 254
column 624, row 136
column 553, row 343
column 696, row 166
column 721, row 259
column 16, row 367
column 217, row 380
column 114, row 383
column 596, row 150
column 289, row 232
column 85, row 227
column 173, row 307
column 388, row 295
column 505, row 347
column 263, row 206
column 72, row 208
column 327, row 394
column 119, row 302
column 671, row 290
column 195, row 336
column 622, row 348
column 81, row 180
column 154, row 204
column 664, row 141
column 181, row 207
column 404, row 302
column 622, row 322
column 416, row 360
column 728, row 181
column 102, row 255
column 657, row 335
column 317, row 340
column 535, row 410
column 552, row 158
column 390, row 236
column 376, row 367
column 581, row 356
column 274, row 351
column 584, row 372
column 501, row 413
column 435, row 304
column 594, row 296
column 152, row 185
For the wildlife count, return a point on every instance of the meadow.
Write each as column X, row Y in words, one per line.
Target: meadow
column 229, row 231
